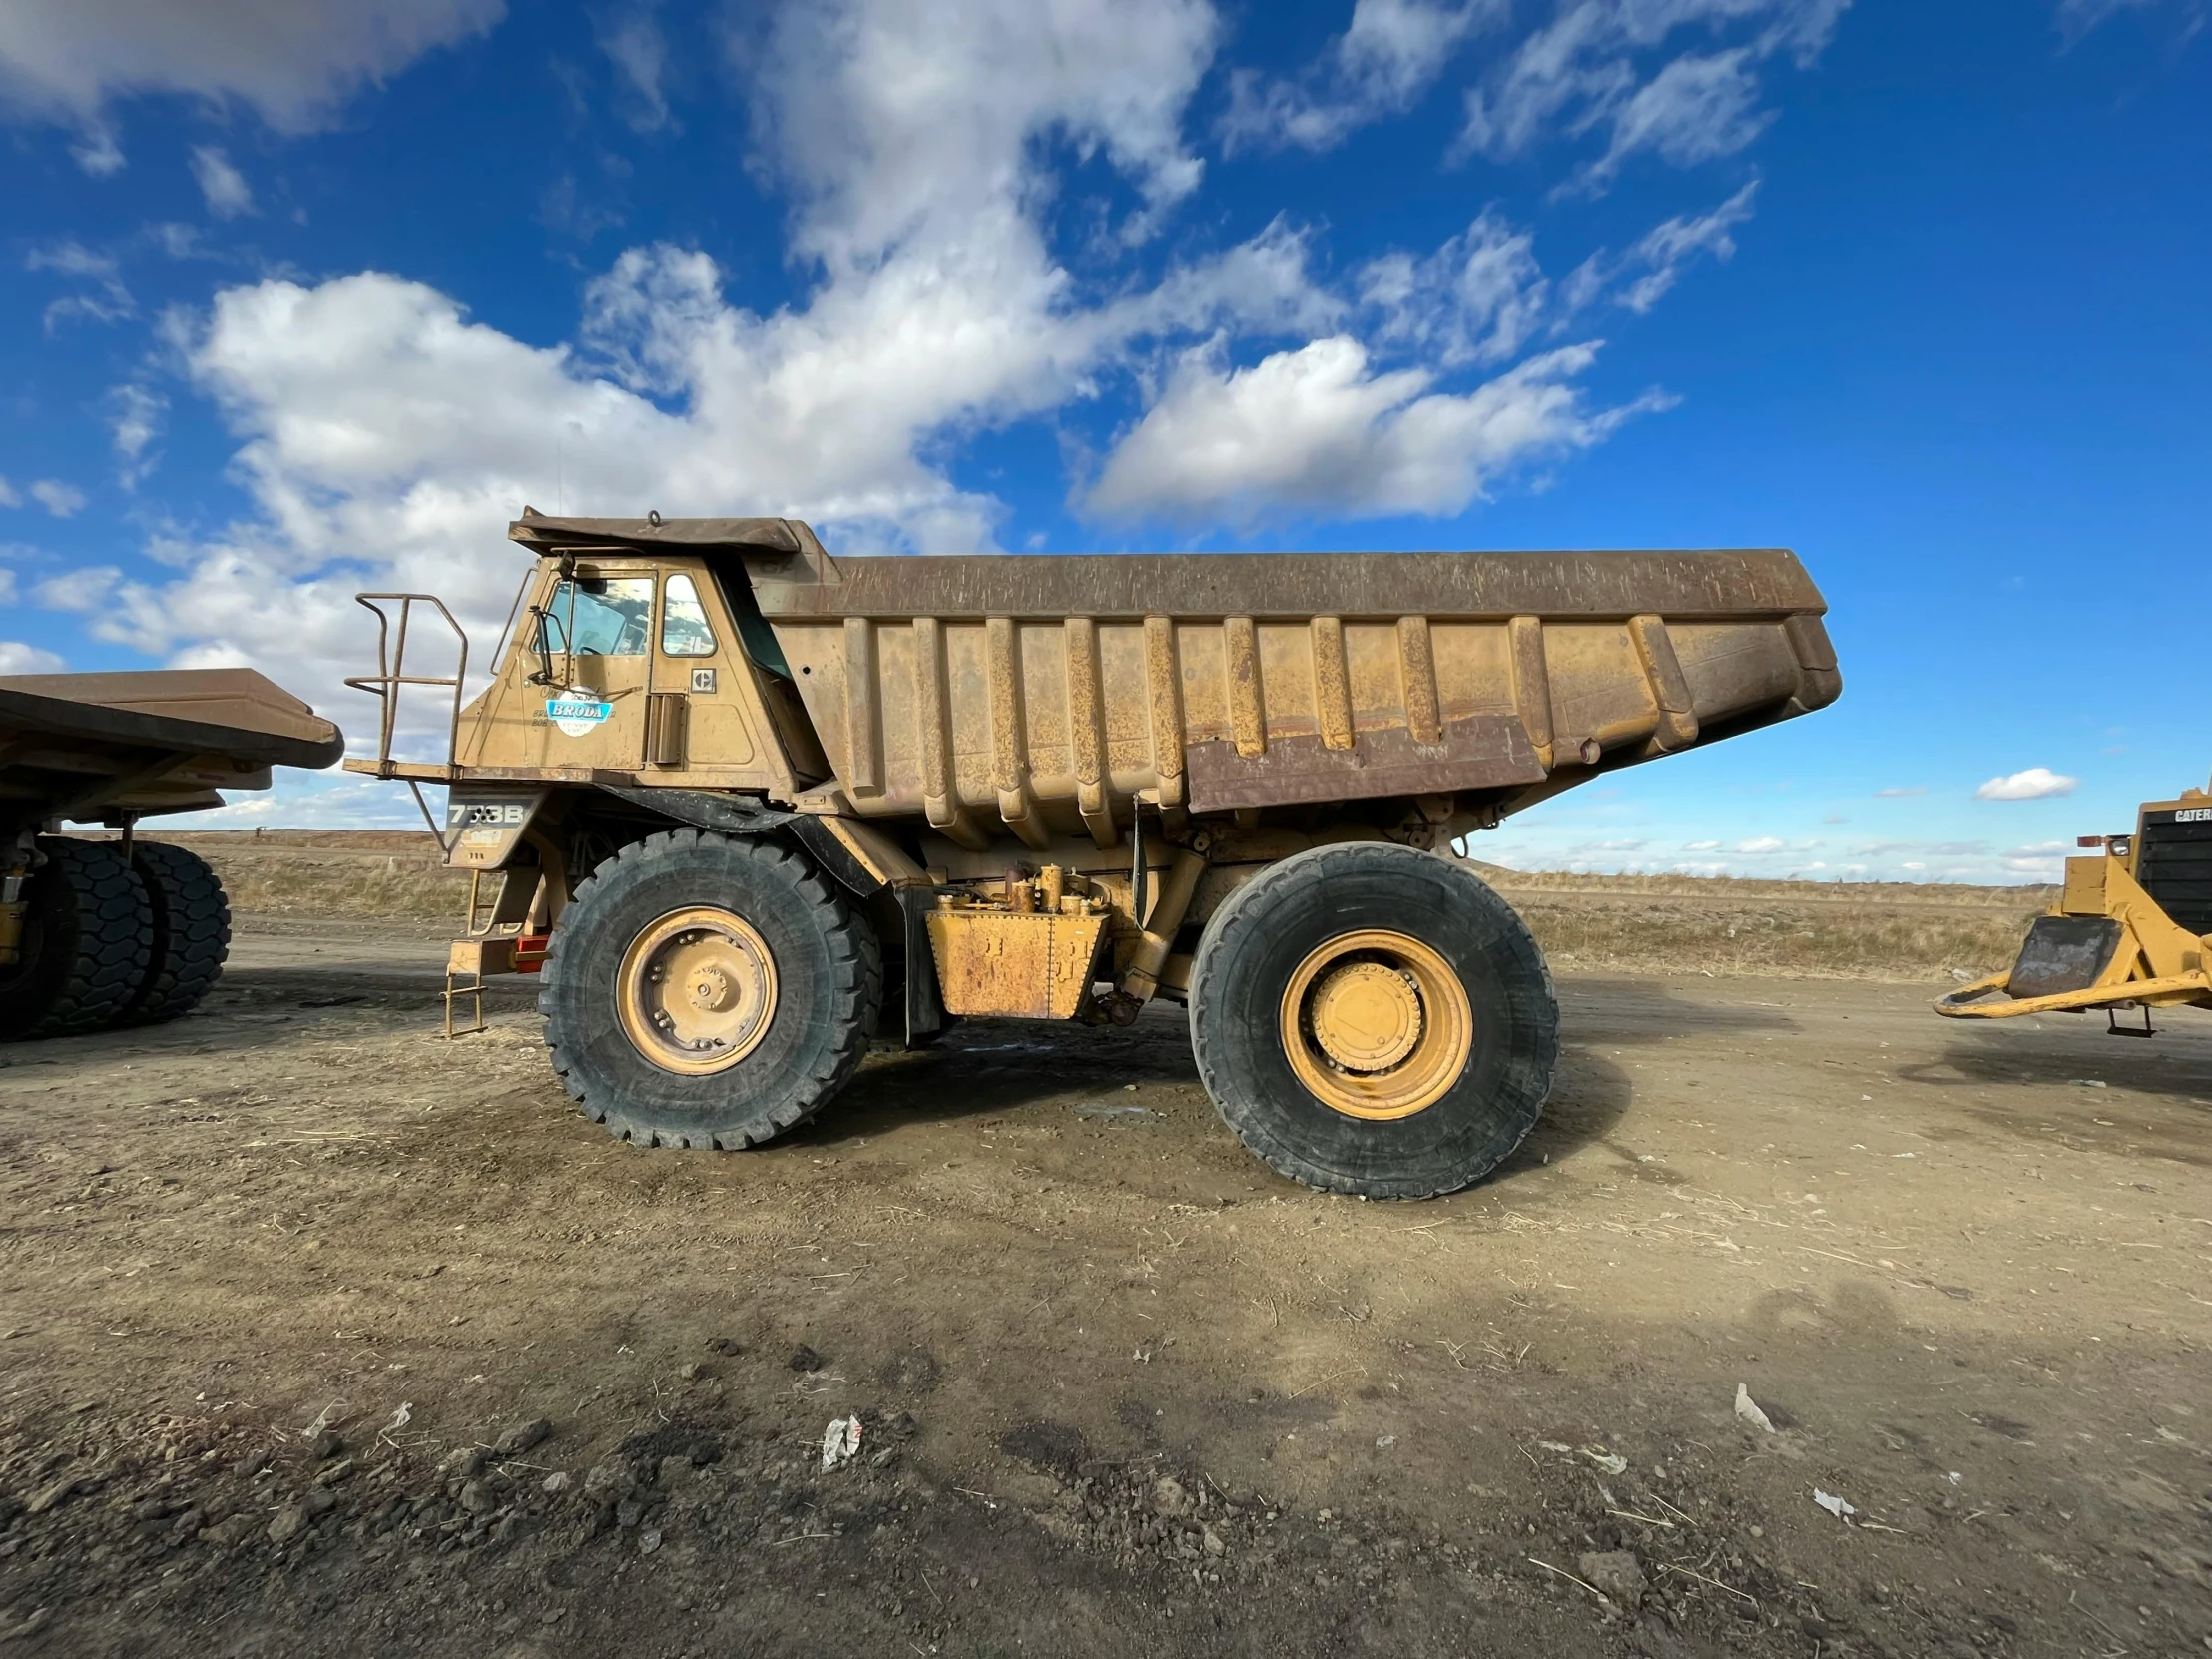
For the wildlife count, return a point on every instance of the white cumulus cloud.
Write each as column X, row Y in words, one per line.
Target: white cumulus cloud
column 1316, row 429
column 293, row 63
column 60, row 499
column 224, row 185
column 1390, row 53
column 18, row 658
column 1590, row 70
column 2032, row 784
column 1477, row 299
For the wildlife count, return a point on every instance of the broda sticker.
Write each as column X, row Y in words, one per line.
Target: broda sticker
column 576, row 711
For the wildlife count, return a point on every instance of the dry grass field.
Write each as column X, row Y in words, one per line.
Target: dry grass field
column 1586, row 923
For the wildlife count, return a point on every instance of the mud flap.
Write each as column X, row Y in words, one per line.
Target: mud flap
column 2063, row 953
column 924, row 1002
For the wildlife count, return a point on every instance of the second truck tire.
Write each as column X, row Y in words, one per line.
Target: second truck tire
column 88, row 942
column 702, row 990
column 1373, row 1020
column 192, row 932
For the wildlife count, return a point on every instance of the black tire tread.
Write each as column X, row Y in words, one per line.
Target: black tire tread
column 858, row 995
column 1224, row 935
column 102, row 948
column 192, row 932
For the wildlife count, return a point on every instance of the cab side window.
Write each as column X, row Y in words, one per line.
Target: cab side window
column 600, row 616
column 685, row 631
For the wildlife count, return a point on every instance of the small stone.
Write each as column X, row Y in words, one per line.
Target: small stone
column 611, row 1475
column 59, row 1493
column 804, row 1358
column 673, row 1470
column 228, row 1533
column 152, row 1509
column 559, row 1481
column 725, row 1344
column 690, row 1370
column 478, row 1499
column 337, row 1472
column 522, row 1436
column 884, row 1459
column 1169, row 1497
column 1213, row 1544
column 253, row 1463
column 628, row 1514
column 1615, row 1573
column 649, row 1542
column 288, row 1524
column 318, row 1504
column 325, row 1445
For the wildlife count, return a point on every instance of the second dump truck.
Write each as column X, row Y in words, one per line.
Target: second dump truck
column 99, row 934
column 741, row 803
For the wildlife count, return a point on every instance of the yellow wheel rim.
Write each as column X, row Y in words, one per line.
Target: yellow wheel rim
column 1376, row 1025
column 696, row 991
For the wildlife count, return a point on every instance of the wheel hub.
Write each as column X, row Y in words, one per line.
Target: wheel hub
column 1365, row 1016
column 1376, row 1025
column 696, row 990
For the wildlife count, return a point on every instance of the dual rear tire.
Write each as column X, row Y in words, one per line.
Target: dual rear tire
column 112, row 941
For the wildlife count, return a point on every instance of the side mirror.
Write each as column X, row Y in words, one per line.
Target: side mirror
column 543, row 676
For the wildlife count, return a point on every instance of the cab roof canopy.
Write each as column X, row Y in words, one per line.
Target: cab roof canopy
column 552, row 535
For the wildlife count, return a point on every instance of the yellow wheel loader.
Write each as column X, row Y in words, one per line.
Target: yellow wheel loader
column 737, row 803
column 2132, row 928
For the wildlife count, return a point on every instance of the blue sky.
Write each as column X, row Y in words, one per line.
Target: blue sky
column 291, row 309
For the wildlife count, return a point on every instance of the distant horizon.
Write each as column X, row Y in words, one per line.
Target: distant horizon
column 153, row 826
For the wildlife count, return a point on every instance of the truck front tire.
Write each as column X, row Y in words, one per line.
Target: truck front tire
column 1373, row 1020
column 88, row 942
column 708, row 992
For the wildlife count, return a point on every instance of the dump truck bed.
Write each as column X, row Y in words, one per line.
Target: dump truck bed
column 89, row 746
column 1043, row 694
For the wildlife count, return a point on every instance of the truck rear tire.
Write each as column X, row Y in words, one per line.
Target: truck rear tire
column 87, row 941
column 192, row 932
column 707, row 991
column 1375, row 1020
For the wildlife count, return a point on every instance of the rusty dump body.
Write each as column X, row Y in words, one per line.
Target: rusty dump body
column 95, row 935
column 1057, row 770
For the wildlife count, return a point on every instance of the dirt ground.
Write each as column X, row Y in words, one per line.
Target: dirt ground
column 320, row 1336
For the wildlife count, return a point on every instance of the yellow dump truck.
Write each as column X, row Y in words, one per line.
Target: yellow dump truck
column 739, row 800
column 126, row 933
column 2131, row 929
